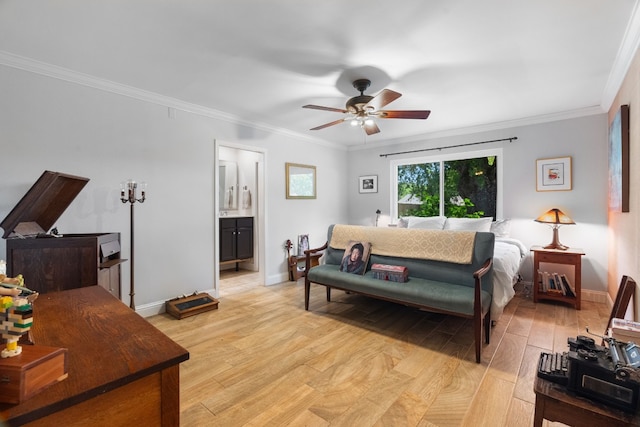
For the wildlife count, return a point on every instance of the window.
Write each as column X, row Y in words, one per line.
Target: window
column 464, row 185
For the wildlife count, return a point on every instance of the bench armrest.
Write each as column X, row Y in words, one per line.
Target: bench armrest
column 310, row 252
column 477, row 275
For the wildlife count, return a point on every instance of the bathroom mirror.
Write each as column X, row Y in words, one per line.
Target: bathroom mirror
column 228, row 188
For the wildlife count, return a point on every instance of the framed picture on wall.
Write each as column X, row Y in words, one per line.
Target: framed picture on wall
column 553, row 174
column 368, row 184
column 301, row 181
column 619, row 161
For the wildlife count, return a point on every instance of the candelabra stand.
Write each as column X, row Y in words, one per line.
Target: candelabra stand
column 128, row 192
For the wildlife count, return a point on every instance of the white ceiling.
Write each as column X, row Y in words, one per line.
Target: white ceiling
column 474, row 64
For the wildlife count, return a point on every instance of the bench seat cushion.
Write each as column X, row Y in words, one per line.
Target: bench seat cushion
column 416, row 291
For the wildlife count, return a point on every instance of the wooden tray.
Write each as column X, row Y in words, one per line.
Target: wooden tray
column 191, row 305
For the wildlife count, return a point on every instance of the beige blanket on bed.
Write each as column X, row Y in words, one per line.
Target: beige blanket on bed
column 437, row 245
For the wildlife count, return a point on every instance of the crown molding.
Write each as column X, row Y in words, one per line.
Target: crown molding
column 507, row 124
column 60, row 73
column 624, row 58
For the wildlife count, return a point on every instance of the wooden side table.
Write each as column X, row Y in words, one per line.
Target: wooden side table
column 554, row 403
column 571, row 257
column 294, row 272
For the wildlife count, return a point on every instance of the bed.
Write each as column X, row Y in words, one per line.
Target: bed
column 508, row 253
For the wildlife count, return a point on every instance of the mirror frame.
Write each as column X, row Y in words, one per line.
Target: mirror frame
column 222, row 191
column 293, row 169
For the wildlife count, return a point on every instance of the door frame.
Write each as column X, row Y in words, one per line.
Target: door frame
column 260, row 216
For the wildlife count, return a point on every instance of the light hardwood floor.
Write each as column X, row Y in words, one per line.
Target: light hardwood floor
column 261, row 359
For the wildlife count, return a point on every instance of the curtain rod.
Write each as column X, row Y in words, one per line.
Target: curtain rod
column 449, row 146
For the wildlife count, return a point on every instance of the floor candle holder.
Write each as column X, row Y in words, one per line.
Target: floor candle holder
column 128, row 193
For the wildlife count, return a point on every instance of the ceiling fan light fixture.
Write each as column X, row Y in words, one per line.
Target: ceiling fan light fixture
column 361, row 110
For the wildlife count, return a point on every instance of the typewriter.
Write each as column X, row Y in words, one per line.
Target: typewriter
column 608, row 374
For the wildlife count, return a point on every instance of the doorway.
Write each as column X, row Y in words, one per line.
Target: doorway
column 239, row 183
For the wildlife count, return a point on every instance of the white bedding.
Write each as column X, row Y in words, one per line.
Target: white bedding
column 508, row 253
column 507, row 257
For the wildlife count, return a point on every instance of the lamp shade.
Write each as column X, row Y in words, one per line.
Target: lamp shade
column 556, row 218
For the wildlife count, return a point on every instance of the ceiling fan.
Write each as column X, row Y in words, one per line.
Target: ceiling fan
column 362, row 109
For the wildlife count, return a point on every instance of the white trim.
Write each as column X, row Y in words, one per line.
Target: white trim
column 393, row 173
column 260, row 218
column 624, row 58
column 37, row 67
column 53, row 71
column 488, row 127
column 159, row 307
column 597, row 296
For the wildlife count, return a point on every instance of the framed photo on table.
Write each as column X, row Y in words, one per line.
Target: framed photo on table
column 368, row 184
column 553, row 174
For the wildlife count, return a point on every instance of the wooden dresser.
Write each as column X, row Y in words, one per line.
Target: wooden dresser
column 51, row 263
column 122, row 370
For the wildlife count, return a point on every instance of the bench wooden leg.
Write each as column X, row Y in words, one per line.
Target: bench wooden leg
column 328, row 293
column 487, row 327
column 478, row 337
column 307, row 288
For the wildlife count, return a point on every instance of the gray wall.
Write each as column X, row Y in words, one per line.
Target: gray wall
column 57, row 125
column 50, row 124
column 583, row 139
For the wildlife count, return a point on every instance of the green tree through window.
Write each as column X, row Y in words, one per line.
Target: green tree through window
column 468, row 187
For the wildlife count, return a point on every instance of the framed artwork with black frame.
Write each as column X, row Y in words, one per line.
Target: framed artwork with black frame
column 368, row 184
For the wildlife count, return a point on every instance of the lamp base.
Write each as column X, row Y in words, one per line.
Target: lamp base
column 555, row 243
column 558, row 246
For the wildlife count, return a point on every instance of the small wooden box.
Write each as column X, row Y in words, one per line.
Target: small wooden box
column 392, row 273
column 30, row 372
column 191, row 305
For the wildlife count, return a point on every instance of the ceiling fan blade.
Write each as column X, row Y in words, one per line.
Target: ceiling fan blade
column 319, row 107
column 326, row 125
column 407, row 114
column 383, row 98
column 371, row 128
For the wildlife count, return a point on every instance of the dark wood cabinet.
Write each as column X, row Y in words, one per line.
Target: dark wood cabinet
column 72, row 261
column 236, row 239
column 54, row 262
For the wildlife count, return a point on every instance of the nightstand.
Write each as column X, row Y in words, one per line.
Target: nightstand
column 567, row 262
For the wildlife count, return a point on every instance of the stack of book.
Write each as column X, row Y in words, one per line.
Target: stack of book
column 555, row 283
column 625, row 330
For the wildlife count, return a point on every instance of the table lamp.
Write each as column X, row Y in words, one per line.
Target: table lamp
column 556, row 218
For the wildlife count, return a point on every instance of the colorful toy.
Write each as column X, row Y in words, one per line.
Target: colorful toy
column 16, row 313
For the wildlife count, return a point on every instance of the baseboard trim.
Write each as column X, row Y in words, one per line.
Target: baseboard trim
column 587, row 295
column 597, row 296
column 158, row 307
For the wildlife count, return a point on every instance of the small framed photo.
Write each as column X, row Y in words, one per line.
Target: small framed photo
column 303, row 244
column 368, row 184
column 553, row 174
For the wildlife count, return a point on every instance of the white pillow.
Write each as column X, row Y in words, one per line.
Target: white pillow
column 428, row 223
column 468, row 224
column 501, row 227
